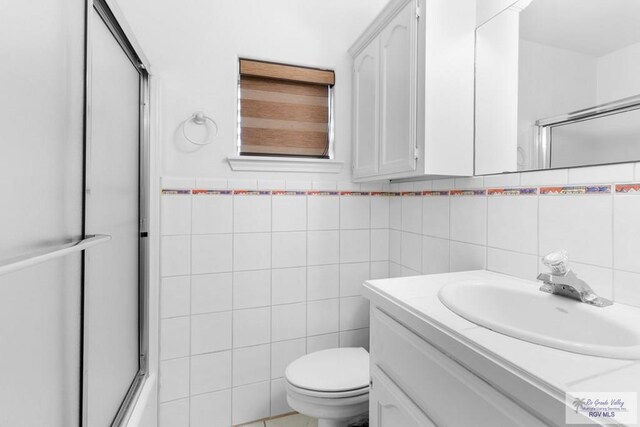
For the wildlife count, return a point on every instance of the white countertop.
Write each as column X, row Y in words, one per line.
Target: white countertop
column 553, row 371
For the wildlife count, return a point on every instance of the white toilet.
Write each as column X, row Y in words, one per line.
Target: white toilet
column 330, row 385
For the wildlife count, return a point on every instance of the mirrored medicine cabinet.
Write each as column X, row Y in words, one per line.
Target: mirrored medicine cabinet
column 558, row 85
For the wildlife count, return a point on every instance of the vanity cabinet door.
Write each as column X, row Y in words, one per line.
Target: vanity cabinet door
column 398, row 79
column 389, row 407
column 366, row 89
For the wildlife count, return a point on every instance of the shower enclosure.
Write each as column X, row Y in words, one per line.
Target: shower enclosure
column 74, row 136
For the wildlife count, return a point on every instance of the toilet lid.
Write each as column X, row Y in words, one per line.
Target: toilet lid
column 337, row 369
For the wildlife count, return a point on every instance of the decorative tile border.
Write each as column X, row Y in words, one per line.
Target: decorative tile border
column 576, row 189
column 529, row 191
column 468, row 192
column 211, row 192
column 629, row 188
column 435, row 193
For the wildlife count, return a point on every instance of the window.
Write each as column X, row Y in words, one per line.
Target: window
column 284, row 110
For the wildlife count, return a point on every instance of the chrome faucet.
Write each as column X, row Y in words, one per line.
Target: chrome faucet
column 562, row 281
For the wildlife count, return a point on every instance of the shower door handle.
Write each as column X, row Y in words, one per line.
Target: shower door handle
column 38, row 257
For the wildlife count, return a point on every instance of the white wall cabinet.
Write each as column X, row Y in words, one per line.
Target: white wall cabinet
column 413, row 73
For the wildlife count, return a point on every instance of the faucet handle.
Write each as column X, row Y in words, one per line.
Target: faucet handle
column 557, row 261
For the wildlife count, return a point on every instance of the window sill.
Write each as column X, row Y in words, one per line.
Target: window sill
column 284, row 164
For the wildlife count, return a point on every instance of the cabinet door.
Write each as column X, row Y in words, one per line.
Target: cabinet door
column 366, row 71
column 398, row 80
column 389, row 407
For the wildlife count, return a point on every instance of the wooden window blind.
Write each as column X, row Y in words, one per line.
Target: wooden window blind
column 284, row 109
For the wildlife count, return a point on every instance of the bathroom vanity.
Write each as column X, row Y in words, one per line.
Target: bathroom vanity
column 432, row 367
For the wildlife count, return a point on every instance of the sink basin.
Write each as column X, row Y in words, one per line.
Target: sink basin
column 522, row 311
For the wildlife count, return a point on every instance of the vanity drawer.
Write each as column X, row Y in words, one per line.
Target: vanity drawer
column 447, row 392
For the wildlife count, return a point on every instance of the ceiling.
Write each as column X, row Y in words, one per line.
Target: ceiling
column 592, row 27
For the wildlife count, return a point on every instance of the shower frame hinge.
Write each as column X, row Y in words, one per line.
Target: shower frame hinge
column 416, row 152
column 418, row 11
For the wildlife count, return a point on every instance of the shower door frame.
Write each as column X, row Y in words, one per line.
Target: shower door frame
column 108, row 11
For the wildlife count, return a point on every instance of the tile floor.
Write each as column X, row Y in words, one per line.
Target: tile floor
column 294, row 420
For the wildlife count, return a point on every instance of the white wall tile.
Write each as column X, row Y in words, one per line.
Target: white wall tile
column 637, row 174
column 175, row 214
column 211, row 253
column 412, row 214
column 626, row 231
column 289, row 213
column 175, row 296
column 322, row 342
column 406, row 272
column 211, row 409
column 251, row 364
column 174, row 379
column 242, row 184
column 298, row 185
column 469, row 183
column 251, row 214
column 210, row 332
column 443, row 184
column 379, row 270
column 395, row 246
column 251, row 327
column 380, row 245
column 177, row 183
column 355, row 338
column 351, row 278
column 627, row 288
column 435, row 216
column 469, row 219
column 395, row 213
column 412, row 251
column 379, row 212
column 323, row 316
column 212, row 214
column 545, row 177
column 354, row 212
column 323, row 212
column 289, row 249
column 323, row 247
column 174, row 414
column 323, row 281
column 211, row 184
column 406, row 186
column 354, row 313
column 602, row 174
column 324, row 185
column 512, row 263
column 211, row 293
column 435, row 255
column 285, row 352
column 271, row 184
column 251, row 289
column 279, row 403
column 395, row 270
column 466, row 257
column 423, row 185
column 210, row 372
column 251, row 251
column 174, row 338
column 251, row 402
column 348, row 186
column 288, row 321
column 175, row 255
column 513, row 223
column 502, row 181
column 580, row 224
column 354, row 245
column 288, row 285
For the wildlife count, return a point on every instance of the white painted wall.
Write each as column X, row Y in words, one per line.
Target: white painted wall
column 194, row 45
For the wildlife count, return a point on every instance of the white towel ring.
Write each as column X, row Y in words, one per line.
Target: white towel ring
column 198, row 118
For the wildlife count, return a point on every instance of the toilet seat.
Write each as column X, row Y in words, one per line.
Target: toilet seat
column 334, row 372
column 328, row 394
